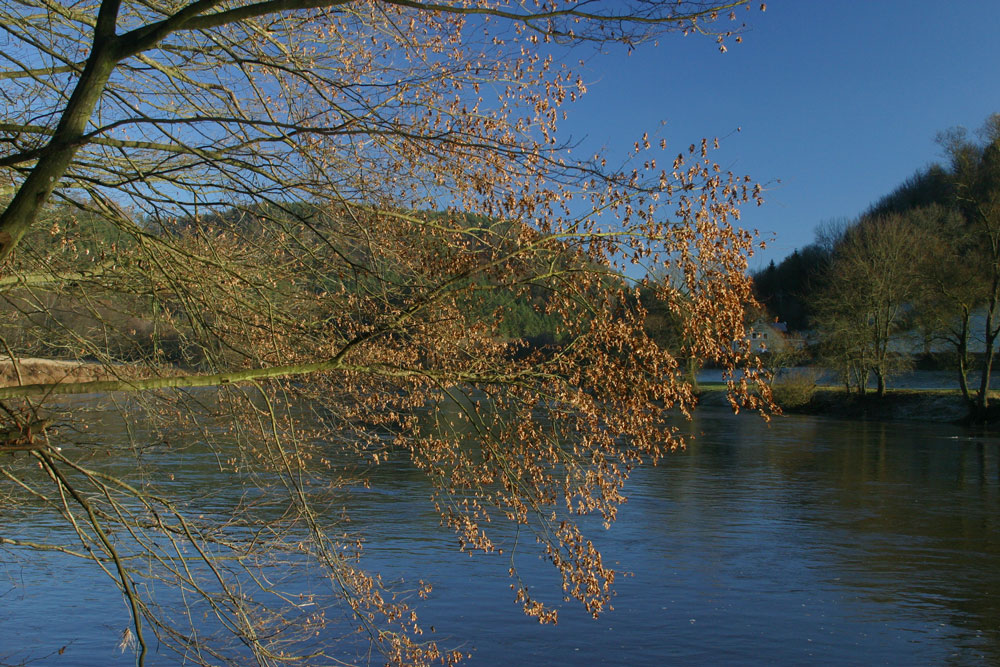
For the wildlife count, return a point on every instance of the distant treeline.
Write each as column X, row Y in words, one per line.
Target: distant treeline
column 923, row 261
column 84, row 254
column 88, row 288
column 139, row 318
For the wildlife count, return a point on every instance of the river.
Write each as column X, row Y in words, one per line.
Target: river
column 803, row 541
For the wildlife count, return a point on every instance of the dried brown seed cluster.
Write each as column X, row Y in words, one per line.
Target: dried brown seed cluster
column 351, row 221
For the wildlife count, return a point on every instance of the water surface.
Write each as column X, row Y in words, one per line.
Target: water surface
column 803, row 541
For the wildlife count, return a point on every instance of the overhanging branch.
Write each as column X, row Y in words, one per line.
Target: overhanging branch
column 251, row 375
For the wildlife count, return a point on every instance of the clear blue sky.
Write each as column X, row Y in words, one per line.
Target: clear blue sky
column 839, row 100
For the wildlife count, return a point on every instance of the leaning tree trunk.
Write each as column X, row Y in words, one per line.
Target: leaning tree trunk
column 983, row 400
column 963, row 356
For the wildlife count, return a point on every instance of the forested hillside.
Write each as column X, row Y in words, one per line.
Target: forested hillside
column 129, row 319
column 924, row 260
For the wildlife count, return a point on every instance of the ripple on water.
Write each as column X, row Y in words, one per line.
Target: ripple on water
column 806, row 541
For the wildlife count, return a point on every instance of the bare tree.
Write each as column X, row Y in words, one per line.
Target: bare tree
column 317, row 209
column 951, row 286
column 872, row 285
column 975, row 170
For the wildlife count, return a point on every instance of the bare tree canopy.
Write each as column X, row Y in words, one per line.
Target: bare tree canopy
column 356, row 226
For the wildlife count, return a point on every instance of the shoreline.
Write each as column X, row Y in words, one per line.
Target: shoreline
column 923, row 405
column 943, row 406
column 34, row 370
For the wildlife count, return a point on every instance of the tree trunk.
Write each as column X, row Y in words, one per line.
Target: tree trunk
column 57, row 155
column 692, row 371
column 983, row 400
column 963, row 356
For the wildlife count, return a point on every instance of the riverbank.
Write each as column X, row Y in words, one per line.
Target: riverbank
column 925, row 405
column 945, row 406
column 49, row 371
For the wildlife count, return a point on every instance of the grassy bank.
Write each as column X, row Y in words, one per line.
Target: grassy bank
column 45, row 371
column 928, row 405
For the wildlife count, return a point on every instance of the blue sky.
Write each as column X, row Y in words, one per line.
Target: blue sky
column 838, row 101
